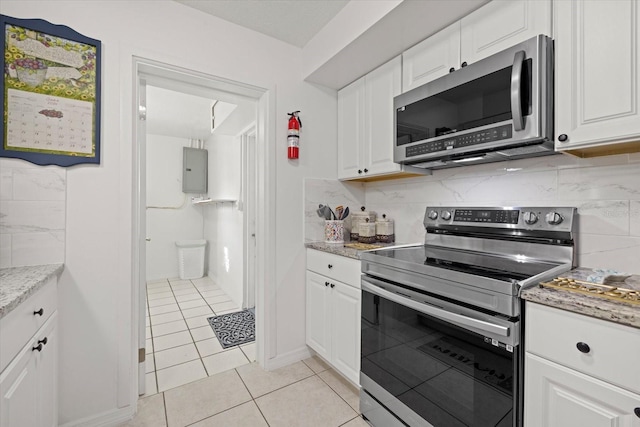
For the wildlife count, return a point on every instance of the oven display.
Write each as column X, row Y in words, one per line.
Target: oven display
column 490, row 216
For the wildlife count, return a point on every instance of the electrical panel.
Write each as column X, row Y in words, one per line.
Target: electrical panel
column 194, row 170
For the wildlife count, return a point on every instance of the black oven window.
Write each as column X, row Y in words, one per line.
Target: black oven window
column 483, row 101
column 449, row 376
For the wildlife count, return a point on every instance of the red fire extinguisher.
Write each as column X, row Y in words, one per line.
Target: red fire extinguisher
column 293, row 135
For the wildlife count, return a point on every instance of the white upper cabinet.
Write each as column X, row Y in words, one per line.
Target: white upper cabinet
column 432, row 58
column 365, row 124
column 494, row 27
column 501, row 24
column 597, row 76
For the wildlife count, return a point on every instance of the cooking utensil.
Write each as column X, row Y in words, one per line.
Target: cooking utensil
column 339, row 211
column 320, row 211
column 326, row 212
column 345, row 214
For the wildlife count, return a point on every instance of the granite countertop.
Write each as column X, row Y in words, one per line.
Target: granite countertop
column 19, row 283
column 340, row 249
column 624, row 313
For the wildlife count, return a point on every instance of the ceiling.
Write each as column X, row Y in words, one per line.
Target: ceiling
column 292, row 21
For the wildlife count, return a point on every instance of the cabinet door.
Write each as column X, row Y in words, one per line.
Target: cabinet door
column 351, row 130
column 499, row 25
column 431, row 58
column 47, row 365
column 381, row 85
column 19, row 390
column 597, row 73
column 317, row 316
column 345, row 317
column 558, row 396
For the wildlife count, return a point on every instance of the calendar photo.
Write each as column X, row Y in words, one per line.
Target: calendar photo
column 51, row 93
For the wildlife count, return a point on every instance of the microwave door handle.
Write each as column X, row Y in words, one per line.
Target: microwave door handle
column 516, row 95
column 439, row 313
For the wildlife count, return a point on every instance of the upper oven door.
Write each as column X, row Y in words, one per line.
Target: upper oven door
column 501, row 99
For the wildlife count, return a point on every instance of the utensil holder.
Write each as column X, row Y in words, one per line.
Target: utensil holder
column 334, row 231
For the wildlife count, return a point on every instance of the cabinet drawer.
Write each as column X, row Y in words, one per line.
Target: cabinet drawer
column 336, row 267
column 612, row 349
column 18, row 327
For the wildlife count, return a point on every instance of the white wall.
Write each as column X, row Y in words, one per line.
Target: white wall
column 97, row 348
column 224, row 222
column 182, row 221
column 32, row 213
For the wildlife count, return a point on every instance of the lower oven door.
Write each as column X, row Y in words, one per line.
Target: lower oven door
column 430, row 362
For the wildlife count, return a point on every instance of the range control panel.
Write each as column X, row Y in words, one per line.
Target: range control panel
column 532, row 218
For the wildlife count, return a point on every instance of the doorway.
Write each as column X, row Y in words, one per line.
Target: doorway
column 149, row 73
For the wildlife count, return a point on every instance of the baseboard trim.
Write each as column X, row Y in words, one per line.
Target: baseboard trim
column 106, row 419
column 287, row 358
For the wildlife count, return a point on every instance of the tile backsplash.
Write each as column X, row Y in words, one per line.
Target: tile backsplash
column 32, row 213
column 606, row 191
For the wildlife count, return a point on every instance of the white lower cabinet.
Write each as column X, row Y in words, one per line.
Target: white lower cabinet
column 556, row 396
column 579, row 371
column 29, row 361
column 333, row 311
column 28, row 386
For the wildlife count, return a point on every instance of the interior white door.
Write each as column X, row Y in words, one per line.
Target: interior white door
column 249, row 203
column 142, row 231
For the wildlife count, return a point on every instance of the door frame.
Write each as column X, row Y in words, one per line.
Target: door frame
column 249, row 194
column 265, row 223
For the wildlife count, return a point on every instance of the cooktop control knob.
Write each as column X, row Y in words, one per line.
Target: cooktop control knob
column 446, row 215
column 553, row 218
column 530, row 218
column 432, row 215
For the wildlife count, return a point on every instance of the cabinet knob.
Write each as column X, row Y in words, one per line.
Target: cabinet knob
column 43, row 341
column 366, row 170
column 359, row 170
column 637, row 412
column 464, row 64
column 330, row 266
column 39, row 312
column 38, row 347
column 451, row 70
column 583, row 347
column 333, row 285
column 326, row 283
column 563, row 137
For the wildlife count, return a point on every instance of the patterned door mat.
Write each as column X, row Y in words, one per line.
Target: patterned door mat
column 234, row 328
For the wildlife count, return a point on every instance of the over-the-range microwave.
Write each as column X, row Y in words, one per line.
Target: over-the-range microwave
column 499, row 108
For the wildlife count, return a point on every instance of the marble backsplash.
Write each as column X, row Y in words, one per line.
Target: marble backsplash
column 32, row 213
column 606, row 191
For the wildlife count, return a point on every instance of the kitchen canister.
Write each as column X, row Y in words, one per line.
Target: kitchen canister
column 367, row 231
column 384, row 230
column 357, row 218
column 334, row 231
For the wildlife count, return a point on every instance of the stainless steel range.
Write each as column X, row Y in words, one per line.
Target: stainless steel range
column 442, row 322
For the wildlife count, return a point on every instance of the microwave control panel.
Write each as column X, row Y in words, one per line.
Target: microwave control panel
column 465, row 140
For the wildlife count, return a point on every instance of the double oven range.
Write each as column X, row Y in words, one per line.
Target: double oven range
column 442, row 323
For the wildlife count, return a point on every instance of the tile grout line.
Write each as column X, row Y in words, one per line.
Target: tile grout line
column 253, row 399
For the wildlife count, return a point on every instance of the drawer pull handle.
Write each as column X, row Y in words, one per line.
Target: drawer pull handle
column 583, row 347
column 330, row 266
column 637, row 412
column 43, row 341
column 39, row 312
column 38, row 347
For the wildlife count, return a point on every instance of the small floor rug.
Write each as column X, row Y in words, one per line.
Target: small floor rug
column 234, row 328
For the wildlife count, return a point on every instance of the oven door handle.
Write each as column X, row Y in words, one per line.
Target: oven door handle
column 425, row 308
column 516, row 91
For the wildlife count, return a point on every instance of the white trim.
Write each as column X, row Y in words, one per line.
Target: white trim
column 265, row 262
column 105, row 419
column 290, row 357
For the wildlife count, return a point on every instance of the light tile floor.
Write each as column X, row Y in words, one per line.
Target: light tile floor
column 303, row 394
column 181, row 345
column 192, row 381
